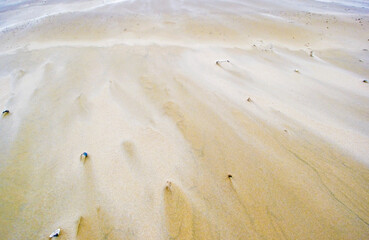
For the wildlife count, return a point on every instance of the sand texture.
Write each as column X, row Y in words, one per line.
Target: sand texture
column 271, row 144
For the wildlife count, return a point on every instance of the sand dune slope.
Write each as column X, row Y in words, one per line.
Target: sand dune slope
column 271, row 144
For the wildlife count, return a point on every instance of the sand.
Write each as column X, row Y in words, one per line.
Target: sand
column 270, row 145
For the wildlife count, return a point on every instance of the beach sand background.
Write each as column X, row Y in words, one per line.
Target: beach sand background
column 270, row 145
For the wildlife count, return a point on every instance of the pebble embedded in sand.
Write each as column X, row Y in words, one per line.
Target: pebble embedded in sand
column 221, row 61
column 311, row 54
column 168, row 186
column 84, row 156
column 56, row 233
column 297, row 71
column 365, row 81
column 230, row 176
column 249, row 100
column 5, row 112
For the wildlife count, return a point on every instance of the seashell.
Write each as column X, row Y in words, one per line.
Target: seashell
column 56, row 233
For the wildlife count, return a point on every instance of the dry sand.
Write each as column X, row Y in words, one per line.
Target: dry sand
column 135, row 84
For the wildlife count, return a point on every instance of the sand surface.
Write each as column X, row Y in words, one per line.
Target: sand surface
column 273, row 144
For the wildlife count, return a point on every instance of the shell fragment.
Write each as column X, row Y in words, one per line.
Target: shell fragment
column 56, row 233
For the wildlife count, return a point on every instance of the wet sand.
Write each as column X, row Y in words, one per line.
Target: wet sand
column 271, row 144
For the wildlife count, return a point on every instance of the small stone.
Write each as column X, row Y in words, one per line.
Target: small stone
column 168, row 186
column 249, row 100
column 230, row 176
column 311, row 54
column 5, row 112
column 56, row 233
column 297, row 71
column 221, row 61
column 365, row 81
column 84, row 156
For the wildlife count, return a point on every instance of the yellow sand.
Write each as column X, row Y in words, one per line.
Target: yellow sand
column 135, row 84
